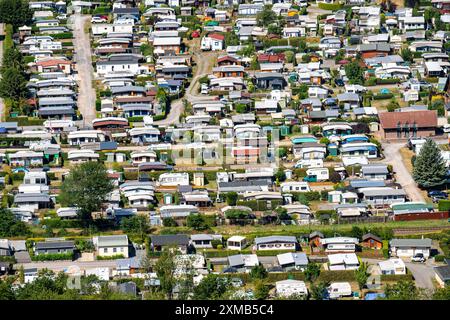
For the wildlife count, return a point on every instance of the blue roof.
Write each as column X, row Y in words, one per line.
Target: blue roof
column 367, row 183
column 108, row 145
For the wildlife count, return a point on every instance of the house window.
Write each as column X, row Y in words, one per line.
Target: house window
column 105, row 250
column 114, row 250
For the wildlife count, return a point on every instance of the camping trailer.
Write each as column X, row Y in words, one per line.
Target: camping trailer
column 317, row 174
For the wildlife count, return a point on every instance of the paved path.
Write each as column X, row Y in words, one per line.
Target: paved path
column 391, row 151
column 82, row 49
column 2, row 105
column 205, row 62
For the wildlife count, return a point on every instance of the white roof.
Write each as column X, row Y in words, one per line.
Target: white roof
column 167, row 41
column 236, row 238
column 343, row 258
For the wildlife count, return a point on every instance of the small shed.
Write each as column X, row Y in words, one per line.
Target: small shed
column 372, row 241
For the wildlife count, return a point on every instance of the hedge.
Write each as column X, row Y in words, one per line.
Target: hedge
column 52, row 257
column 383, row 96
column 444, row 205
column 396, row 277
column 25, row 121
column 330, row 6
column 114, row 257
column 63, row 35
column 135, row 119
column 58, row 223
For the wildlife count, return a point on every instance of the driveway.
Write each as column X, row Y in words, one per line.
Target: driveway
column 391, row 151
column 82, row 49
column 205, row 62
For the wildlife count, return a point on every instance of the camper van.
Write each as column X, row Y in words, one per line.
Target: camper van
column 309, row 163
column 317, row 174
column 339, row 289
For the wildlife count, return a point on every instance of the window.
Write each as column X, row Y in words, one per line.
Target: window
column 105, row 250
column 114, row 250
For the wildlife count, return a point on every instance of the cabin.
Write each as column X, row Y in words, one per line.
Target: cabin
column 178, row 241
column 276, row 243
column 408, row 248
column 204, row 241
column 339, row 244
column 371, row 241
column 54, row 247
column 110, row 246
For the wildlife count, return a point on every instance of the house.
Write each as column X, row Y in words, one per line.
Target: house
column 131, row 64
column 213, row 42
column 26, row 159
column 374, row 172
column 229, row 71
column 367, row 149
column 276, row 243
column 411, row 23
column 383, row 195
column 392, row 266
column 243, row 261
column 54, row 247
column 80, row 156
column 30, row 274
column 371, row 241
column 198, row 198
column 85, row 136
column 290, row 287
column 202, row 241
column 236, row 243
column 110, row 246
column 408, row 248
column 167, row 45
column 174, row 179
column 310, row 150
column 138, row 157
column 293, row 261
column 343, row 261
column 270, row 80
column 339, row 244
column 442, row 274
column 339, row 289
column 32, row 201
column 245, row 9
column 179, row 241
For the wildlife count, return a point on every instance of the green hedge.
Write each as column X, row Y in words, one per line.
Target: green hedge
column 330, row 6
column 25, row 121
column 114, row 257
column 383, row 96
column 59, row 223
column 52, row 257
column 135, row 119
column 63, row 35
column 396, row 277
column 444, row 205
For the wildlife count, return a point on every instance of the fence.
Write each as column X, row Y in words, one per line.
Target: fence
column 363, row 220
column 437, row 215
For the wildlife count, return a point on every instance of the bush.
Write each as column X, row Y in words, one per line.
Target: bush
column 52, row 257
column 116, row 256
column 439, row 258
column 330, row 6
column 63, row 35
column 444, row 205
column 383, row 96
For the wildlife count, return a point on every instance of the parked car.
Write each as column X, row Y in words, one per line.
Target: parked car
column 98, row 20
column 418, row 257
column 437, row 195
column 339, row 82
column 446, row 128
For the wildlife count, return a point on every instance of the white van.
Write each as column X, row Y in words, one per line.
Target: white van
column 339, row 289
column 309, row 163
column 204, row 88
column 317, row 174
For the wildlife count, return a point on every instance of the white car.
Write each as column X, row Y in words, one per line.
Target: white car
column 418, row 257
column 446, row 128
column 98, row 20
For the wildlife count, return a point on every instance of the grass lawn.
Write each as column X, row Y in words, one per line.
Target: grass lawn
column 279, row 229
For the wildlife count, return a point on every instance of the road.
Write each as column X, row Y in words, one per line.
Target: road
column 205, row 62
column 391, row 151
column 83, row 59
column 2, row 105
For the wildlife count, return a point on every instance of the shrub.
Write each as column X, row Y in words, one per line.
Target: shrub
column 330, row 6
column 52, row 257
column 444, row 205
column 383, row 96
column 116, row 256
column 439, row 258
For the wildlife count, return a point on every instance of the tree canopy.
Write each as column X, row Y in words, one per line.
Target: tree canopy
column 429, row 167
column 9, row 226
column 15, row 12
column 86, row 187
column 354, row 72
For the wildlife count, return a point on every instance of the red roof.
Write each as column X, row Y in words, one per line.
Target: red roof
column 53, row 62
column 216, row 36
column 226, row 58
column 271, row 57
column 246, row 152
column 422, row 119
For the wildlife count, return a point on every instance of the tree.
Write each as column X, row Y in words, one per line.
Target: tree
column 211, row 287
column 261, row 291
column 165, row 270
column 231, row 198
column 356, row 232
column 402, row 290
column 319, row 291
column 258, row 272
column 13, row 84
column 354, row 72
column 266, row 17
column 196, row 222
column 86, row 187
column 312, row 272
column 407, row 55
column 15, row 12
column 393, row 104
column 12, row 58
column 280, row 176
column 169, row 222
column 9, row 226
column 335, row 177
column 362, row 275
column 137, row 224
column 282, row 214
column 6, row 291
column 429, row 168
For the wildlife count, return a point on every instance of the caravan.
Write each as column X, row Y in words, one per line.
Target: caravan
column 309, row 163
column 317, row 174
